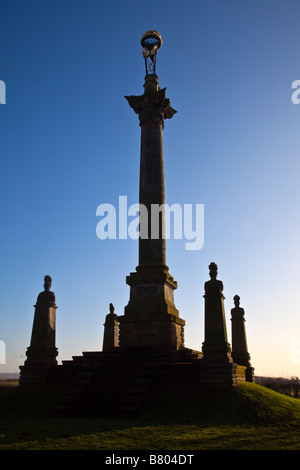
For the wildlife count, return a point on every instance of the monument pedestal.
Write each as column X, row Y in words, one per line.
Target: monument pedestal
column 37, row 369
column 244, row 361
column 220, row 374
column 151, row 318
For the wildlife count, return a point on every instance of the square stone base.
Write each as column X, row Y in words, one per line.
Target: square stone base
column 151, row 319
column 165, row 332
column 35, row 376
column 220, row 374
column 38, row 366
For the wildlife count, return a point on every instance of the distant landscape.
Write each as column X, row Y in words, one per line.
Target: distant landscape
column 289, row 387
column 6, row 376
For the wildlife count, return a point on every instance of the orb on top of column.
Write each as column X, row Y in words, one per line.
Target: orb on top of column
column 151, row 42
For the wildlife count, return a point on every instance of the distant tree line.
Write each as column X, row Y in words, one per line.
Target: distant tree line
column 290, row 387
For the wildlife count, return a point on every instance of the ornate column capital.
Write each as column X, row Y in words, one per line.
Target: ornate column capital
column 151, row 106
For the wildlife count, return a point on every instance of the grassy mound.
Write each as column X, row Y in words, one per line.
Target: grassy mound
column 247, row 404
column 249, row 417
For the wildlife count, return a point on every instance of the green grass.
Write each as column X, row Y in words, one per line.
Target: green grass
column 248, row 417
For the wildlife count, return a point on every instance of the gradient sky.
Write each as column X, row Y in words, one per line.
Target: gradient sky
column 70, row 142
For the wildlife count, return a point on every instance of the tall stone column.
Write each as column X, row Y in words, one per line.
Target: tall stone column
column 42, row 352
column 240, row 353
column 151, row 318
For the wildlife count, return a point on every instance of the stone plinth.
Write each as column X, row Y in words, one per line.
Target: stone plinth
column 42, row 352
column 151, row 318
column 240, row 353
column 218, row 374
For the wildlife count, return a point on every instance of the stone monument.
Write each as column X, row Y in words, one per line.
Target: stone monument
column 111, row 330
column 143, row 349
column 151, row 319
column 215, row 346
column 217, row 366
column 42, row 352
column 239, row 345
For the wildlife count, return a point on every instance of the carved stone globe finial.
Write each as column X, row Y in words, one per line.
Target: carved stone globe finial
column 46, row 297
column 47, row 282
column 236, row 299
column 213, row 270
column 213, row 287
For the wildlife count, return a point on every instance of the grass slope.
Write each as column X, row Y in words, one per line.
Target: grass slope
column 247, row 417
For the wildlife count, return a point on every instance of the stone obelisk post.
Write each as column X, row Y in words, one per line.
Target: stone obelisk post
column 239, row 346
column 42, row 352
column 215, row 347
column 111, row 330
column 217, row 366
column 151, row 318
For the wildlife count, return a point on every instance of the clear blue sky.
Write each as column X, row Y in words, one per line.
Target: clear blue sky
column 70, row 142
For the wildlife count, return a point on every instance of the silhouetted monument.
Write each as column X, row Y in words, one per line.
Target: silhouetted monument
column 239, row 346
column 42, row 352
column 151, row 318
column 144, row 348
column 111, row 330
column 217, row 364
column 215, row 346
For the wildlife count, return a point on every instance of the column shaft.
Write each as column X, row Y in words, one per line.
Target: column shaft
column 152, row 251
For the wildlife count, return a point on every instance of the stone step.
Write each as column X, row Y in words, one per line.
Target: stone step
column 105, row 384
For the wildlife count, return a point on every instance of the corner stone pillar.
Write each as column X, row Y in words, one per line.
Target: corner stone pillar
column 217, row 366
column 151, row 319
column 111, row 330
column 240, row 353
column 42, row 352
column 215, row 346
